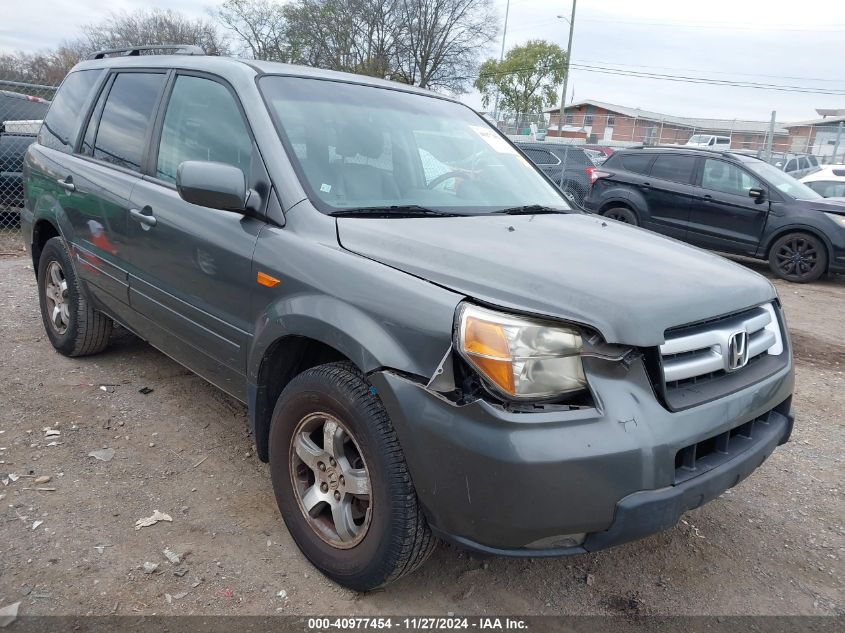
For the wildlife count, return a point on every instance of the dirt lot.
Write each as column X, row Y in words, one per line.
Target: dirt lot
column 773, row 545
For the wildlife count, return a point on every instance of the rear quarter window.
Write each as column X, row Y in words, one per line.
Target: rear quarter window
column 636, row 163
column 61, row 125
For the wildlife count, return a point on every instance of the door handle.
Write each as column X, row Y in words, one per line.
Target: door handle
column 67, row 183
column 146, row 219
column 646, row 185
column 707, row 197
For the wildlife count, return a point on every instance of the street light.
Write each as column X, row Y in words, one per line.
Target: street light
column 571, row 22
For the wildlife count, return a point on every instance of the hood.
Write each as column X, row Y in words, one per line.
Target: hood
column 629, row 284
column 828, row 205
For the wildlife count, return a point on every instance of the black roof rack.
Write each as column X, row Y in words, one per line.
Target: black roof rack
column 134, row 51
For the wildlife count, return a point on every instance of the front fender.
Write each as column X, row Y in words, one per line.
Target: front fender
column 375, row 315
column 342, row 326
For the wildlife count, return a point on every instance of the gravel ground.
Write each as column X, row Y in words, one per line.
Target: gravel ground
column 772, row 545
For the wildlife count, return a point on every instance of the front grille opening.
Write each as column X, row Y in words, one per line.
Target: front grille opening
column 706, row 378
column 697, row 459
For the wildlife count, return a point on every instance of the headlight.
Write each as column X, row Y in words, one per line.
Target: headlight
column 523, row 359
column 839, row 219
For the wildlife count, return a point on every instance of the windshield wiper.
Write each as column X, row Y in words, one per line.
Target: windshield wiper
column 395, row 211
column 529, row 209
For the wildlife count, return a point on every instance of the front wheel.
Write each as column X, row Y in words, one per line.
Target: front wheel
column 798, row 257
column 341, row 482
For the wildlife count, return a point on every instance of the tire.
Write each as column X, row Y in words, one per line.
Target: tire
column 381, row 538
column 798, row 257
column 73, row 326
column 622, row 214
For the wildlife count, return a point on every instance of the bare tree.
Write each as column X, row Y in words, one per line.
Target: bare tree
column 258, row 27
column 350, row 35
column 154, row 26
column 442, row 40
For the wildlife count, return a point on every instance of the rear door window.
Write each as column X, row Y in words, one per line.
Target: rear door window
column 61, row 124
column 203, row 122
column 127, row 116
column 675, row 168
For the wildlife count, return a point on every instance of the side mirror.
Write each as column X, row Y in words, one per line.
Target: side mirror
column 758, row 194
column 213, row 185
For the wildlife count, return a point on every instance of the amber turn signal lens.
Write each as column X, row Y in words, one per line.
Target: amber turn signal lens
column 485, row 339
column 486, row 346
column 264, row 279
column 499, row 371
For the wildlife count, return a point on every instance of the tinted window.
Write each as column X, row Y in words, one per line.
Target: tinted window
column 60, row 125
column 637, row 163
column 828, row 188
column 202, row 122
column 726, row 177
column 674, row 168
column 574, row 157
column 126, row 118
column 791, row 165
column 540, row 156
column 814, row 162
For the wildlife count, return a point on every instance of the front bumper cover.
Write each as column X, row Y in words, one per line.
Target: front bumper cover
column 521, row 484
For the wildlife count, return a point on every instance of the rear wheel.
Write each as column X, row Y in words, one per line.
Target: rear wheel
column 341, row 482
column 622, row 214
column 798, row 257
column 73, row 326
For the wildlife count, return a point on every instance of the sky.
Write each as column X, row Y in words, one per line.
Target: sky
column 763, row 41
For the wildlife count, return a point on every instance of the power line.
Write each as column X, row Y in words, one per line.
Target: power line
column 675, row 78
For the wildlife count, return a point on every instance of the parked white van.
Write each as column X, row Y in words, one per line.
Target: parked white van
column 709, row 140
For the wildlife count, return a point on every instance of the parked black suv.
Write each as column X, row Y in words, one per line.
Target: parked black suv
column 568, row 166
column 429, row 340
column 726, row 202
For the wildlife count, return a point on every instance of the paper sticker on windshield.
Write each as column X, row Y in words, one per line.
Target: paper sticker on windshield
column 493, row 140
column 325, row 188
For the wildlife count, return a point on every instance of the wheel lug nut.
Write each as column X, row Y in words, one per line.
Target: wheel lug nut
column 342, row 480
column 321, row 465
column 332, row 461
column 337, row 495
column 324, row 487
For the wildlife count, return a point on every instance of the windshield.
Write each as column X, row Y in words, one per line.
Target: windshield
column 698, row 138
column 361, row 147
column 781, row 181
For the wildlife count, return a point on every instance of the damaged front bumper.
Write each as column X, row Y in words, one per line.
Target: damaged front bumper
column 557, row 481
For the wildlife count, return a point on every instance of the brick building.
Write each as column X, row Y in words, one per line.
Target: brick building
column 595, row 122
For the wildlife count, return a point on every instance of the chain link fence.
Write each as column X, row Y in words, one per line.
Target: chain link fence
column 22, row 108
column 792, row 146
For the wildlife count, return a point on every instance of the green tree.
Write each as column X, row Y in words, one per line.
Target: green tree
column 527, row 79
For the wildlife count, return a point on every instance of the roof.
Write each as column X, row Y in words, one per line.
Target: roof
column 684, row 149
column 703, row 125
column 830, row 120
column 231, row 67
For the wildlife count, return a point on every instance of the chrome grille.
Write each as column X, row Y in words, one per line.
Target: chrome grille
column 706, row 349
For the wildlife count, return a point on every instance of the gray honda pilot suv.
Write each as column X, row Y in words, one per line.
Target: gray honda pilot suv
column 431, row 343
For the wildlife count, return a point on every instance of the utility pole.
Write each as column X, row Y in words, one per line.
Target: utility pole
column 771, row 137
column 566, row 69
column 501, row 58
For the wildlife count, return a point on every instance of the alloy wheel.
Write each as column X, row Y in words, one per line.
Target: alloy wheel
column 798, row 257
column 330, row 479
column 56, row 293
